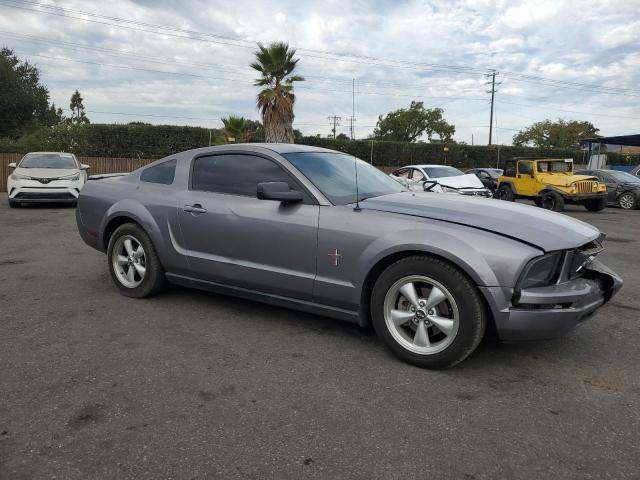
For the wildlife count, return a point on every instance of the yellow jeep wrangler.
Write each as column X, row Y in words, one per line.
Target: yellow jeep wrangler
column 550, row 183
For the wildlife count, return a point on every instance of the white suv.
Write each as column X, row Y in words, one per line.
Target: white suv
column 46, row 177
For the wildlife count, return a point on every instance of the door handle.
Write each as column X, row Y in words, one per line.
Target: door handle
column 195, row 208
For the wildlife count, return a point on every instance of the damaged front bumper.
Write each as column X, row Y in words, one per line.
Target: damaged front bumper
column 546, row 312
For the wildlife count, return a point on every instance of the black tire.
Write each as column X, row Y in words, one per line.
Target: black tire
column 537, row 201
column 552, row 201
column 471, row 312
column 505, row 192
column 13, row 203
column 596, row 205
column 627, row 201
column 154, row 280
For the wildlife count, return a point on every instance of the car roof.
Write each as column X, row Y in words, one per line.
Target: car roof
column 427, row 165
column 279, row 148
column 49, row 153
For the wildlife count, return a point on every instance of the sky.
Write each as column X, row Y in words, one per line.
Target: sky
column 187, row 62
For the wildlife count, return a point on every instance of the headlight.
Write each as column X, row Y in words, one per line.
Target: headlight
column 541, row 271
column 17, row 176
column 73, row 178
column 448, row 190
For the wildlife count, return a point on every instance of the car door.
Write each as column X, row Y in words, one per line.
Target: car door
column 485, row 178
column 612, row 186
column 232, row 237
column 526, row 180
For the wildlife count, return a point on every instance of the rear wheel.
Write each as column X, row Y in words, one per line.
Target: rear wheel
column 627, row 201
column 427, row 312
column 595, row 205
column 505, row 192
column 552, row 201
column 133, row 262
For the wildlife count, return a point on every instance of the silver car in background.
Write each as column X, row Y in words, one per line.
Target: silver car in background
column 440, row 179
column 290, row 225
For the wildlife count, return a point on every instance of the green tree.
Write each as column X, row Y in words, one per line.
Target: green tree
column 560, row 134
column 77, row 109
column 276, row 64
column 236, row 127
column 24, row 101
column 408, row 125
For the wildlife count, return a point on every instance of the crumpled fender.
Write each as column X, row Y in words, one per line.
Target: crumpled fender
column 488, row 259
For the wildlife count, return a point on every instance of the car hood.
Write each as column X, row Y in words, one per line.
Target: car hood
column 468, row 180
column 46, row 172
column 565, row 180
column 533, row 225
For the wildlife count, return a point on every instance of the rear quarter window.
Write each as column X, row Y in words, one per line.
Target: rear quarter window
column 162, row 173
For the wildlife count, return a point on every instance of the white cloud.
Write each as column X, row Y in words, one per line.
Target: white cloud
column 595, row 44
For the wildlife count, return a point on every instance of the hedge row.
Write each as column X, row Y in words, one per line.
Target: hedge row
column 137, row 140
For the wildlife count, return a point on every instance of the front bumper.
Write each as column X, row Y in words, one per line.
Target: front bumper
column 580, row 197
column 55, row 192
column 546, row 312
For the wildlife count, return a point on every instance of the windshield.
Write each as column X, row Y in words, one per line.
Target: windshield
column 495, row 172
column 555, row 166
column 334, row 174
column 624, row 177
column 48, row 160
column 440, row 172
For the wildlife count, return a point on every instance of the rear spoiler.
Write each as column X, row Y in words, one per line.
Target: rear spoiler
column 106, row 175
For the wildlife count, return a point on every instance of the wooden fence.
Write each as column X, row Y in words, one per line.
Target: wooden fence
column 98, row 165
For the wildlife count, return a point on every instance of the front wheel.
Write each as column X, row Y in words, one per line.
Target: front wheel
column 13, row 203
column 552, row 201
column 627, row 201
column 595, row 205
column 133, row 262
column 427, row 312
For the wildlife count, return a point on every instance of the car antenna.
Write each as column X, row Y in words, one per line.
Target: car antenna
column 355, row 166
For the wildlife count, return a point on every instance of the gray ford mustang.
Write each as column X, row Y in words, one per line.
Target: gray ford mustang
column 290, row 225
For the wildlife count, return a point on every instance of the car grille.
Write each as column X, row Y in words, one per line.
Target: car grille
column 475, row 193
column 584, row 186
column 44, row 196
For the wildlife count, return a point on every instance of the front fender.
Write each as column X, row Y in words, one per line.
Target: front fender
column 487, row 258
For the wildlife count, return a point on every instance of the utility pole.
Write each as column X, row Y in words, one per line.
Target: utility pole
column 493, row 94
column 336, row 122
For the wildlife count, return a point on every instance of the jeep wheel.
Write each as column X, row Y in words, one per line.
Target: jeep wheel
column 552, row 201
column 627, row 201
column 427, row 312
column 594, row 205
column 505, row 192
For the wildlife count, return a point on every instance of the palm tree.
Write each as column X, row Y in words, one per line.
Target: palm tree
column 275, row 102
column 235, row 127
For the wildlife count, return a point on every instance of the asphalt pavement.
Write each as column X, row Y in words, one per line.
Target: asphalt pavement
column 195, row 385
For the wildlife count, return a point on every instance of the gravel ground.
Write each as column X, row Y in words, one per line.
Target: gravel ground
column 195, row 385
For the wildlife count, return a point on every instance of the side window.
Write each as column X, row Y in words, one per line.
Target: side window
column 510, row 169
column 603, row 177
column 162, row 173
column 236, row 174
column 417, row 175
column 483, row 174
column 402, row 173
column 525, row 168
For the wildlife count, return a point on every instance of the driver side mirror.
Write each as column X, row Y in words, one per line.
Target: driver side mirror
column 12, row 165
column 278, row 191
column 84, row 166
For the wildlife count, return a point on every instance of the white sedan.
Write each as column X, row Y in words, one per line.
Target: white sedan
column 46, row 177
column 440, row 179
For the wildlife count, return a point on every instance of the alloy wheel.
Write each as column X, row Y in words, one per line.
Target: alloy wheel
column 421, row 314
column 627, row 201
column 129, row 261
